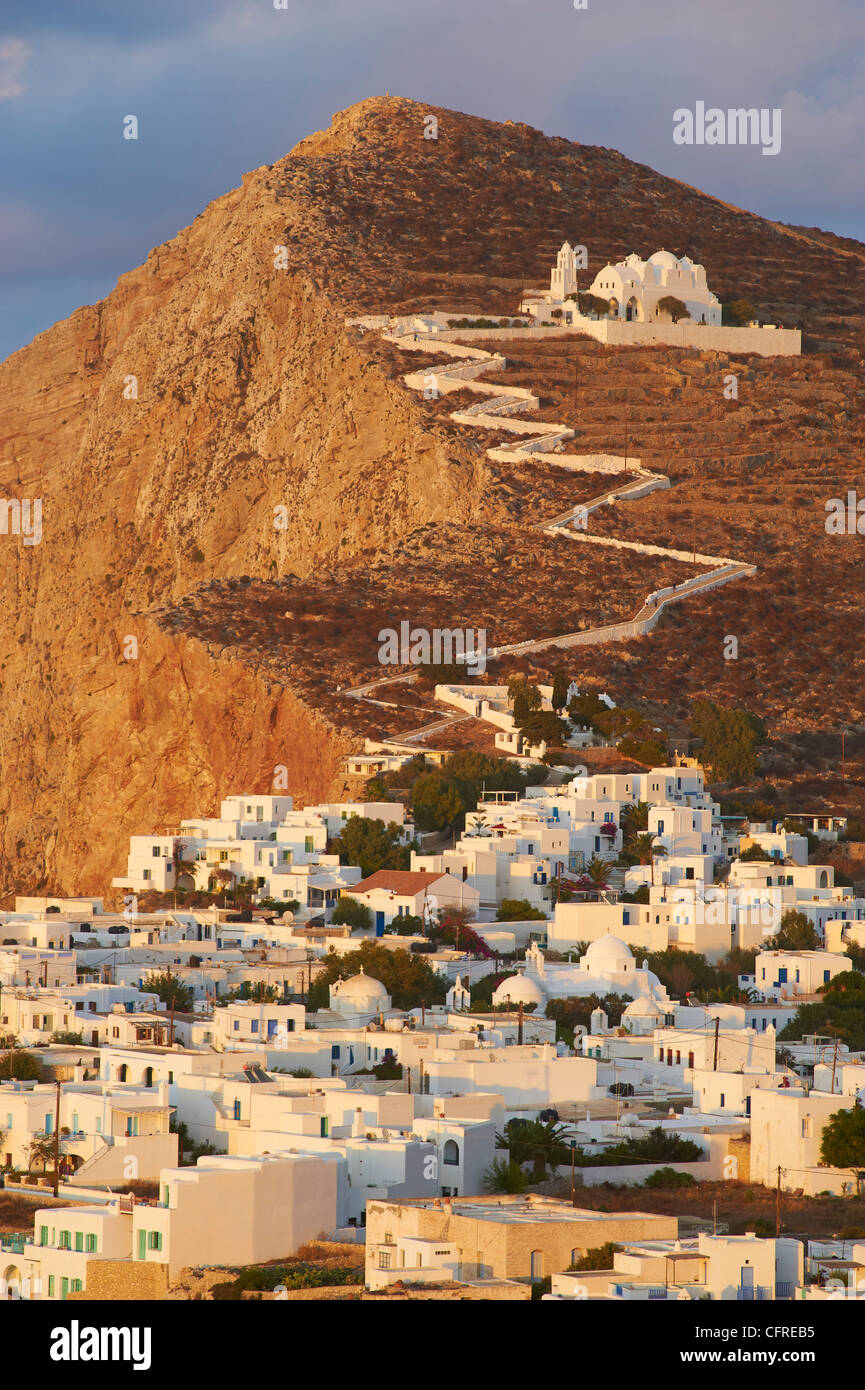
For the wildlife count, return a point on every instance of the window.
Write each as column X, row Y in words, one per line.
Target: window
column 451, row 1152
column 384, row 1259
column 50, row 1285
column 388, row 1237
column 308, row 844
column 79, row 1240
column 155, row 851
column 65, row 1237
column 43, row 1235
column 77, row 1286
column 91, row 1244
column 723, row 1100
column 154, row 1240
column 806, row 1127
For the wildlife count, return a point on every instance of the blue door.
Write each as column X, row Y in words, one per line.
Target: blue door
column 272, row 1026
column 379, row 924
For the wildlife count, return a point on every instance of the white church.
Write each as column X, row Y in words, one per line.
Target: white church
column 607, row 967
column 633, row 288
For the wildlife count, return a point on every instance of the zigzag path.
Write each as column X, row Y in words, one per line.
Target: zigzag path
column 501, row 411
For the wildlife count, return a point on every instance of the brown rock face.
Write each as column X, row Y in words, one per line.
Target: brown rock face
column 166, row 427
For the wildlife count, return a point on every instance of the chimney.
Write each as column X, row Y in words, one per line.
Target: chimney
column 358, row 1128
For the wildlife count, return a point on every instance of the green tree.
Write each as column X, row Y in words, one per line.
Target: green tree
column 755, row 853
column 730, row 740
column 372, row 845
column 351, row 912
column 169, row 988
column 573, row 1013
column 597, row 1257
column 560, row 690
column 672, row 306
column 544, row 727
column 737, row 313
column 518, row 910
column 408, row 978
column 20, row 1065
column 795, row 933
column 439, row 801
column 504, row 1175
column 842, row 1144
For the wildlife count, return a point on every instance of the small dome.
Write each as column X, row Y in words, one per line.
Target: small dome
column 608, row 951
column 362, row 987
column 518, row 990
column 643, row 1008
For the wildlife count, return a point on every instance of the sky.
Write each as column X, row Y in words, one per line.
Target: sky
column 223, row 86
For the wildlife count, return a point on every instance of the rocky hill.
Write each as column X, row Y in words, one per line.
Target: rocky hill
column 214, row 422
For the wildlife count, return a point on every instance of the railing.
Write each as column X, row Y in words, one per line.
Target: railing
column 785, row 1290
column 13, row 1242
column 755, row 1294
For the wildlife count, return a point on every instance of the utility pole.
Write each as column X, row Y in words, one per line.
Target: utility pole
column 714, row 1216
column 408, row 1080
column 834, row 1065
column 778, row 1204
column 57, row 1141
column 520, row 1026
column 717, row 1026
column 573, row 1173
column 171, row 1024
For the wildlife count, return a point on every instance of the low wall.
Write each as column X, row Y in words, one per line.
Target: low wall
column 694, row 337
column 635, row 1174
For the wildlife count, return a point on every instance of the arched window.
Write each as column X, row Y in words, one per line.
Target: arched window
column 122, row 1072
column 824, row 879
column 148, row 1076
column 451, row 1152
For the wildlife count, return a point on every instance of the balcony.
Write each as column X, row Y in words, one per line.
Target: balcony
column 757, row 1293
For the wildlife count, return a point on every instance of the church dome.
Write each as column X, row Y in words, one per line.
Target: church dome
column 608, row 953
column 643, row 1008
column 518, row 990
column 663, row 258
column 363, row 988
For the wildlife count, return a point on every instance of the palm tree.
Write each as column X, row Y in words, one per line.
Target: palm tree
column 647, row 852
column 597, row 872
column 539, row 1142
column 635, row 819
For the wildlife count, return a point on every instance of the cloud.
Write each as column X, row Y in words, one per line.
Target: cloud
column 14, row 56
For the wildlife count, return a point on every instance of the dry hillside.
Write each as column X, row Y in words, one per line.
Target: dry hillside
column 250, row 394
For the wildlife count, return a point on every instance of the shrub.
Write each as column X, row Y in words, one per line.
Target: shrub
column 669, row 1177
column 350, row 912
